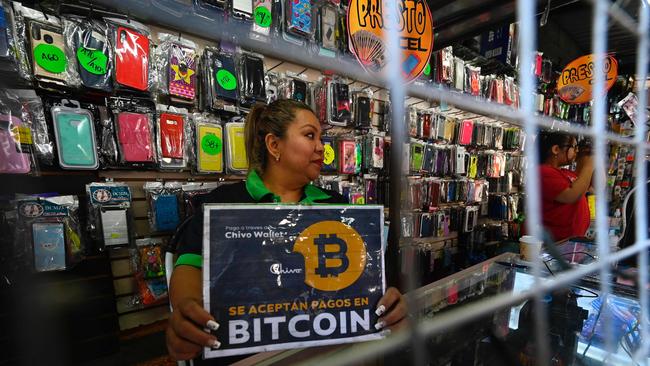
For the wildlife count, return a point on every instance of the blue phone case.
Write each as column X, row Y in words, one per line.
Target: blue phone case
column 49, row 246
column 75, row 136
column 166, row 207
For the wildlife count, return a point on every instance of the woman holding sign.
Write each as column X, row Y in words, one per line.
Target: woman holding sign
column 285, row 154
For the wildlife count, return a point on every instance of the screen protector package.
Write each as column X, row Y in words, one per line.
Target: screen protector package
column 50, row 226
column 133, row 120
column 74, row 129
column 176, row 63
column 252, row 83
column 236, row 158
column 109, row 214
column 164, row 205
column 171, row 137
column 131, row 43
column 314, row 261
column 219, row 81
column 16, row 143
column 208, row 143
column 90, row 53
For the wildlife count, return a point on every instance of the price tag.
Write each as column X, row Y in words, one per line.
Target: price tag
column 50, row 58
column 93, row 61
column 211, row 144
column 226, row 79
column 263, row 17
column 427, row 70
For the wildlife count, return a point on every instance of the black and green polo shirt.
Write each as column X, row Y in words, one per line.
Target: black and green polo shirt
column 253, row 190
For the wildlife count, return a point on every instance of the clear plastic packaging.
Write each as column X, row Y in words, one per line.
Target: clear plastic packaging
column 16, row 143
column 164, row 205
column 262, row 17
column 219, row 82
column 7, row 46
column 252, row 88
column 90, row 53
column 50, row 227
column 74, row 130
column 134, row 128
column 47, row 48
column 347, row 156
column 326, row 31
column 34, row 115
column 176, row 63
column 20, row 42
column 236, row 158
column 147, row 263
column 362, row 108
column 272, row 87
column 339, row 109
column 330, row 154
column 209, row 144
column 109, row 214
column 191, row 191
column 131, row 43
column 171, row 137
column 298, row 18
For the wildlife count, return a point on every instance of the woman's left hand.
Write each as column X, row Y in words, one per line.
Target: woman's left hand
column 392, row 310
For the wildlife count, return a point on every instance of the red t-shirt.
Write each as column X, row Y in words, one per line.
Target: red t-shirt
column 563, row 220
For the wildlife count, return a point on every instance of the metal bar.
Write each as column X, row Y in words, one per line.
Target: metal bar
column 468, row 313
column 620, row 16
column 640, row 167
column 599, row 120
column 527, row 46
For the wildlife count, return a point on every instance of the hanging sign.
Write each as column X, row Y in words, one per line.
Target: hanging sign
column 280, row 277
column 575, row 84
column 367, row 22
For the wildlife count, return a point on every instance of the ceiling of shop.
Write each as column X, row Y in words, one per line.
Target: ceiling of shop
column 566, row 35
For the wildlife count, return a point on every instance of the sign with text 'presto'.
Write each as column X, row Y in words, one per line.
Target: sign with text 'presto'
column 369, row 19
column 575, row 84
column 280, row 277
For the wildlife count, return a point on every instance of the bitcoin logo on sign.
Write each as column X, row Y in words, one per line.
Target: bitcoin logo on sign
column 335, row 255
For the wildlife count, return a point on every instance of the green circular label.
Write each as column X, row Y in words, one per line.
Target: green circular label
column 211, row 144
column 262, row 17
column 226, row 79
column 50, row 58
column 93, row 61
column 427, row 70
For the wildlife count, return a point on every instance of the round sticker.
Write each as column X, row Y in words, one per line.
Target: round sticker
column 262, row 17
column 93, row 61
column 226, row 79
column 427, row 70
column 328, row 154
column 211, row 144
column 50, row 58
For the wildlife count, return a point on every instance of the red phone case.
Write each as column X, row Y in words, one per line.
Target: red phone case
column 135, row 137
column 171, row 135
column 132, row 58
column 467, row 129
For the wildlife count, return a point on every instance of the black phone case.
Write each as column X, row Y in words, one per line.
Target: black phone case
column 91, row 80
column 363, row 112
column 4, row 33
column 254, row 77
column 222, row 61
column 299, row 91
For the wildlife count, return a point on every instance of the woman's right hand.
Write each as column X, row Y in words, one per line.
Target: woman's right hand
column 185, row 335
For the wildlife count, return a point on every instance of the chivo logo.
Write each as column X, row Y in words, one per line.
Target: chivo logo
column 276, row 269
column 335, row 255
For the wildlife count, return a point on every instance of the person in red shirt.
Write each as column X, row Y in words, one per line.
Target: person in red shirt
column 565, row 211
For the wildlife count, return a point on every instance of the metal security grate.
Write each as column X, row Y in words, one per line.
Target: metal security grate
column 176, row 16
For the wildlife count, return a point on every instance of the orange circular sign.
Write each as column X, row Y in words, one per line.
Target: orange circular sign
column 575, row 84
column 367, row 21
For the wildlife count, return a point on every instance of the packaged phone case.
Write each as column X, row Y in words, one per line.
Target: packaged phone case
column 176, row 60
column 13, row 158
column 49, row 246
column 347, row 153
column 362, row 110
column 164, row 205
column 242, row 9
column 466, row 132
column 417, row 156
column 109, row 214
column 90, row 53
column 74, row 131
column 134, row 127
column 6, row 25
column 219, row 82
column 235, row 140
column 209, row 145
column 327, row 28
column 262, row 16
column 298, row 17
column 172, row 153
column 252, row 83
column 49, row 62
column 132, row 53
column 339, row 104
column 330, row 155
column 298, row 90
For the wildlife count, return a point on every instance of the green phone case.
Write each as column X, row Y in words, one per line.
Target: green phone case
column 75, row 136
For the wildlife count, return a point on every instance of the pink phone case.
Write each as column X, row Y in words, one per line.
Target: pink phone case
column 12, row 159
column 466, row 131
column 348, row 156
column 135, row 137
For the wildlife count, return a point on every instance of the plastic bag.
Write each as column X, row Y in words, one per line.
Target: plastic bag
column 171, row 137
column 134, row 128
column 219, row 82
column 90, row 52
column 74, row 129
column 339, row 112
column 147, row 263
column 7, row 45
column 362, row 109
column 209, row 144
column 16, row 143
column 131, row 43
column 164, row 205
column 22, row 58
column 326, row 30
column 50, row 226
column 176, row 62
column 236, row 158
column 252, row 88
column 33, row 113
column 109, row 214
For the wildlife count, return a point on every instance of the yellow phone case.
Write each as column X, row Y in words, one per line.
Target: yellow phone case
column 238, row 161
column 209, row 144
